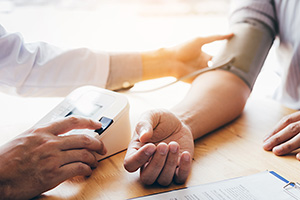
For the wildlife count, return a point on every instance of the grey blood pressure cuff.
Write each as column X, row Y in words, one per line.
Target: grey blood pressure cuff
column 248, row 49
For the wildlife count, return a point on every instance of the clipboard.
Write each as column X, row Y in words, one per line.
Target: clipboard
column 260, row 186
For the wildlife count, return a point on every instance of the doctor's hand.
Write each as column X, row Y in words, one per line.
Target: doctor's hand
column 162, row 148
column 180, row 60
column 285, row 138
column 38, row 159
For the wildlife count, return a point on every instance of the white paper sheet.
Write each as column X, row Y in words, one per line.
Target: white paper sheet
column 261, row 186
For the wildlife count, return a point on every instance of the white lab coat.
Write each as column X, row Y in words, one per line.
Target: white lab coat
column 39, row 69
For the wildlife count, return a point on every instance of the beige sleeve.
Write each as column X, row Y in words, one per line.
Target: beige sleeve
column 125, row 69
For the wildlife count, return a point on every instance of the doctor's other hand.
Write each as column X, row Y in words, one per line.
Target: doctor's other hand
column 180, row 60
column 285, row 138
column 162, row 148
column 39, row 159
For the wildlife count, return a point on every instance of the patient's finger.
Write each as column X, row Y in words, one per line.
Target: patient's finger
column 151, row 171
column 184, row 168
column 136, row 158
column 167, row 174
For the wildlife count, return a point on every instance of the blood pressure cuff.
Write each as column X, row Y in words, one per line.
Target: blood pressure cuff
column 248, row 49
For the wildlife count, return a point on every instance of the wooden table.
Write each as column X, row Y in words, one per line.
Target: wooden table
column 232, row 151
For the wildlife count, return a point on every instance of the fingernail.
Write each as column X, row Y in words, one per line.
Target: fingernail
column 266, row 145
column 186, row 157
column 298, row 156
column 163, row 150
column 173, row 148
column 150, row 150
column 277, row 150
column 143, row 131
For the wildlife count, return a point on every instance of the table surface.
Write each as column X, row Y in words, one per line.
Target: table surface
column 232, row 151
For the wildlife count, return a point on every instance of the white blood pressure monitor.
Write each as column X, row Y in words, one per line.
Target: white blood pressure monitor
column 110, row 108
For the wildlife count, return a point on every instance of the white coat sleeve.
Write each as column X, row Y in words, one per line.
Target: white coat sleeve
column 39, row 69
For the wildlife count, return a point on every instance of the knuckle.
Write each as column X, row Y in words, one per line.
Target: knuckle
column 82, row 169
column 34, row 139
column 74, row 120
column 286, row 120
column 172, row 162
column 91, row 122
column 86, row 155
column 277, row 139
column 51, row 170
column 86, row 140
column 48, row 173
column 294, row 127
column 287, row 147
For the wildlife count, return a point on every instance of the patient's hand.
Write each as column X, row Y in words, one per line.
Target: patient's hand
column 162, row 147
column 285, row 138
column 180, row 60
column 190, row 57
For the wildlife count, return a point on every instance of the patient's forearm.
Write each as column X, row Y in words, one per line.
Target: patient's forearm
column 156, row 64
column 214, row 99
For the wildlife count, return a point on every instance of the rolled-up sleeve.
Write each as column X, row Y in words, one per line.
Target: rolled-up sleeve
column 262, row 11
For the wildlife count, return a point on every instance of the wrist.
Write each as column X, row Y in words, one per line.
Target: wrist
column 157, row 64
column 185, row 120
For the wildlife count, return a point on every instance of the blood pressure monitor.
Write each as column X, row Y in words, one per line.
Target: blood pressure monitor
column 110, row 108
